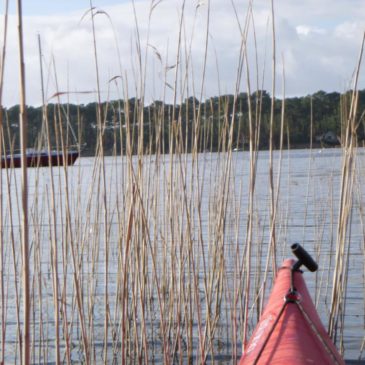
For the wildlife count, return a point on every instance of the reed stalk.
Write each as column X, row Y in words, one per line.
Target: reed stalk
column 345, row 208
column 25, row 229
column 272, row 245
column 100, row 123
column 2, row 267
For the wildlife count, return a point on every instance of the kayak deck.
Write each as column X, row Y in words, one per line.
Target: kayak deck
column 290, row 330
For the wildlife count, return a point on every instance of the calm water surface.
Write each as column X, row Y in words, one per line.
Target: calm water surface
column 91, row 215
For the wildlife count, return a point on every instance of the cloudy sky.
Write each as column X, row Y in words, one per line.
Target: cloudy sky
column 317, row 45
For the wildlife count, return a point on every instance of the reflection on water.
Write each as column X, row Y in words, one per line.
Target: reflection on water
column 172, row 276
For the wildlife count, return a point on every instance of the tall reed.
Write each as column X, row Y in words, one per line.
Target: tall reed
column 2, row 266
column 345, row 206
column 164, row 250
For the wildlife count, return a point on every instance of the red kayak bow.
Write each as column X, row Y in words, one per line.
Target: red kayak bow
column 290, row 330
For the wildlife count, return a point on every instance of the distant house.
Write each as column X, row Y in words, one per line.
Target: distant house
column 329, row 138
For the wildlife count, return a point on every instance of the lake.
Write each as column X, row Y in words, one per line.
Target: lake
column 147, row 259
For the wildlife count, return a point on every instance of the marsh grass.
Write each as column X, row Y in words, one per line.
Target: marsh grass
column 165, row 254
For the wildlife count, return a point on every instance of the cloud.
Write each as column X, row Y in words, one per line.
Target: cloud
column 318, row 43
column 306, row 30
column 348, row 31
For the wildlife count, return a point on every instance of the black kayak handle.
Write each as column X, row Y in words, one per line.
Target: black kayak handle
column 304, row 258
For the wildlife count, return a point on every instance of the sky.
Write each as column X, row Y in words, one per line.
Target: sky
column 317, row 47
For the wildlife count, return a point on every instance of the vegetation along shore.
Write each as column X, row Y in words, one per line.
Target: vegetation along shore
column 312, row 120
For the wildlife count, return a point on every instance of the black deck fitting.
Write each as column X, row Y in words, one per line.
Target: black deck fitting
column 303, row 258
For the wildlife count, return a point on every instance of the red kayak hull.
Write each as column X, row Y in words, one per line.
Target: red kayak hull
column 290, row 331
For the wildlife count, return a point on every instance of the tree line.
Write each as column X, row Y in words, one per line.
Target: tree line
column 214, row 124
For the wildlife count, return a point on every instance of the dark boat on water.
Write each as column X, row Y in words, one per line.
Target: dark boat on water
column 40, row 159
